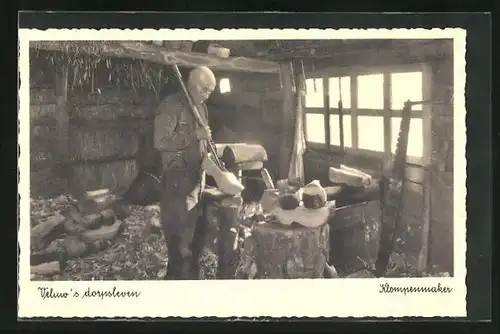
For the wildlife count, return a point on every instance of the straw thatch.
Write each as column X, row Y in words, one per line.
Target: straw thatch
column 116, row 175
column 110, row 112
column 41, row 112
column 46, row 182
column 43, row 145
column 87, row 144
column 42, row 96
column 112, row 95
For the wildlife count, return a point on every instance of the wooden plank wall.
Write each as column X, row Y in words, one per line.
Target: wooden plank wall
column 105, row 137
column 251, row 112
column 46, row 178
column 85, row 137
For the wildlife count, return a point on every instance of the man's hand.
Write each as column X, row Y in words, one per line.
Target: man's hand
column 203, row 133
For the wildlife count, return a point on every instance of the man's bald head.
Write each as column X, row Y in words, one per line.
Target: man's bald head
column 201, row 83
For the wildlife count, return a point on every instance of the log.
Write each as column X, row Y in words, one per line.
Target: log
column 223, row 220
column 103, row 233
column 74, row 246
column 283, row 252
column 92, row 221
column 234, row 155
column 159, row 55
column 49, row 254
column 73, row 228
column 47, row 231
column 47, row 268
column 108, row 216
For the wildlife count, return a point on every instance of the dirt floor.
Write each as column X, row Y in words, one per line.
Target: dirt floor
column 139, row 252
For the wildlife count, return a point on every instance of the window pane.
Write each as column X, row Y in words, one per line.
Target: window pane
column 224, row 85
column 371, row 133
column 415, row 137
column 334, row 93
column 335, row 130
column 314, row 93
column 315, row 128
column 371, row 91
column 406, row 86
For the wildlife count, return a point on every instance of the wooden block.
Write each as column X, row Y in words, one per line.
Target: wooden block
column 340, row 176
column 106, row 232
column 355, row 236
column 108, row 216
column 47, row 231
column 74, row 246
column 288, row 252
column 47, row 268
column 49, row 254
column 97, row 203
column 96, row 193
column 73, row 228
column 356, row 171
column 92, row 221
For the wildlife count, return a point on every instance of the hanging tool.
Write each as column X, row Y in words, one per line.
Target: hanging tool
column 392, row 188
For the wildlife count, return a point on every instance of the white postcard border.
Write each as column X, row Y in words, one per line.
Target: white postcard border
column 247, row 298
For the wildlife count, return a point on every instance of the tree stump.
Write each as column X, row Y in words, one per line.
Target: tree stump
column 290, row 251
column 221, row 234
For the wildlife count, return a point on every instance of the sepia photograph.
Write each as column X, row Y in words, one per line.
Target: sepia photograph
column 234, row 159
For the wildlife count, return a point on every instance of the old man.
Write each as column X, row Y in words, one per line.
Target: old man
column 182, row 145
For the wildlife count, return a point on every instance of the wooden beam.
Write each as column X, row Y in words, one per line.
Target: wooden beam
column 62, row 116
column 418, row 52
column 423, row 255
column 160, row 55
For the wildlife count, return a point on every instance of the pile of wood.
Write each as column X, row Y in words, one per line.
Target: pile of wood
column 76, row 228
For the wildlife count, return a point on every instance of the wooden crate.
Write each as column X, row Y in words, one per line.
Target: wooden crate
column 354, row 236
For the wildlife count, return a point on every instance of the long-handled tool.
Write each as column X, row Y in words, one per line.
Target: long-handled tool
column 226, row 181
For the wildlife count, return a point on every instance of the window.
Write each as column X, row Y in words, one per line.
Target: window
column 373, row 107
column 371, row 91
column 224, row 86
column 404, row 87
column 315, row 128
column 335, row 130
column 371, row 133
column 415, row 143
column 314, row 93
column 334, row 92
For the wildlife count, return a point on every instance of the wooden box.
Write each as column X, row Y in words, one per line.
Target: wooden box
column 354, row 236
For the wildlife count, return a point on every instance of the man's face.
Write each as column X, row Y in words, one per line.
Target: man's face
column 203, row 90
